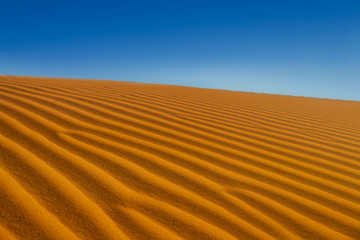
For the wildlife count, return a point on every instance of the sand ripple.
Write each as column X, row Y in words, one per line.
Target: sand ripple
column 115, row 160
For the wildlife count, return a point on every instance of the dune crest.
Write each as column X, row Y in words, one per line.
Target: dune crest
column 90, row 159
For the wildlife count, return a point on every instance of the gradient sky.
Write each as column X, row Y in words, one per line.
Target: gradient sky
column 293, row 47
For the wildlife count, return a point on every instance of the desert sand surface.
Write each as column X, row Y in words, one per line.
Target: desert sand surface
column 91, row 159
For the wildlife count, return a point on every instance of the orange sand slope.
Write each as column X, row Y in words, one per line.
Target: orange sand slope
column 115, row 160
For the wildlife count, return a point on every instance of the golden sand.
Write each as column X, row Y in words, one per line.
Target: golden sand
column 87, row 159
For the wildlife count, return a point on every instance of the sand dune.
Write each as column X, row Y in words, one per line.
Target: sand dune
column 102, row 160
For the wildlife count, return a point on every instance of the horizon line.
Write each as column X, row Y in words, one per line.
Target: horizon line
column 168, row 84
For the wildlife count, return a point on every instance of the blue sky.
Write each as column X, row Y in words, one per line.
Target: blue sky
column 303, row 48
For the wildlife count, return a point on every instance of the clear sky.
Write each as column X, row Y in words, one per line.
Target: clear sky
column 304, row 48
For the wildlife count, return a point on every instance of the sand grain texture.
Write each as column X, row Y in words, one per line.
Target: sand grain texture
column 89, row 159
